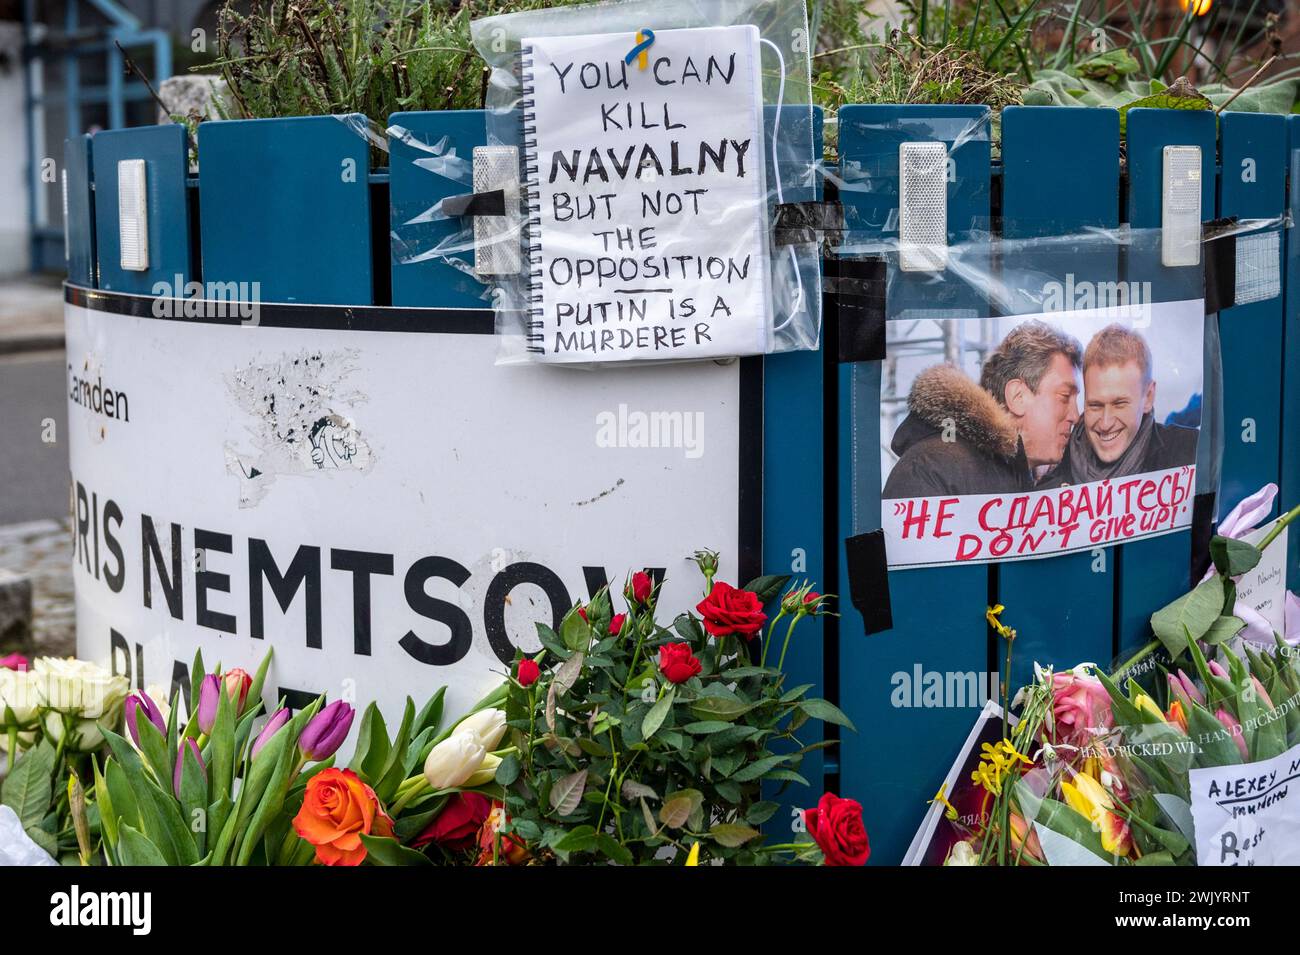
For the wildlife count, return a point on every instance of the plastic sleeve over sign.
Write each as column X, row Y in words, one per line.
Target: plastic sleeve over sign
column 655, row 141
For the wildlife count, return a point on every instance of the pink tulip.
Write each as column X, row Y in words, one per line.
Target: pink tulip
column 1217, row 669
column 1261, row 692
column 1080, row 705
column 1177, row 692
column 1234, row 728
column 1190, row 688
column 14, row 661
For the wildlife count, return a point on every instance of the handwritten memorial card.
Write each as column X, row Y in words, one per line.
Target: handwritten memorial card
column 648, row 213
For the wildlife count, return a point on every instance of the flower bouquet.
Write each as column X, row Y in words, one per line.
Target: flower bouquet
column 1183, row 755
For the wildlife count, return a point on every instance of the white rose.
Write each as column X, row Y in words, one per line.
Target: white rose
column 79, row 687
column 19, row 697
column 86, row 735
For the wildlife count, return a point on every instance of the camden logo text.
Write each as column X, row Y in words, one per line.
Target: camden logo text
column 93, row 395
column 131, row 909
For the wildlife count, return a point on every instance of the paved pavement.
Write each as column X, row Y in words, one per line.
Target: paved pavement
column 31, row 314
column 35, row 539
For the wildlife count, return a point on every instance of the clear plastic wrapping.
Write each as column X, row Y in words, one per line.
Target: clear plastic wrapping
column 655, row 141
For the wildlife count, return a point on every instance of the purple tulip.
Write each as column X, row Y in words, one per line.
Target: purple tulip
column 1190, row 688
column 277, row 720
column 326, row 731
column 193, row 748
column 137, row 702
column 209, row 698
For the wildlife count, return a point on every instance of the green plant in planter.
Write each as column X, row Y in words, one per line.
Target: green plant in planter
column 640, row 741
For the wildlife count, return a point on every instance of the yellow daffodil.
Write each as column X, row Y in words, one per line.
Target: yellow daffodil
column 1089, row 799
column 693, row 857
column 991, row 615
column 941, row 797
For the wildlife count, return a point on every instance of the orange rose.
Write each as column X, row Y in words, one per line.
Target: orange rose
column 337, row 809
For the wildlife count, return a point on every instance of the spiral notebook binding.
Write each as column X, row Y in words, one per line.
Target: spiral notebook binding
column 532, row 204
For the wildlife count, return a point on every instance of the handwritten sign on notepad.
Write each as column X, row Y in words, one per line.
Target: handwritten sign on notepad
column 647, row 201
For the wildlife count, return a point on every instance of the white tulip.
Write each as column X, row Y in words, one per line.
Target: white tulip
column 486, row 772
column 454, row 760
column 488, row 725
column 20, row 696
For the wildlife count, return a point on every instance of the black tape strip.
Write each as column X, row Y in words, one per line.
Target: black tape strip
column 856, row 289
column 868, row 568
column 474, row 204
column 1220, row 265
column 1202, row 531
column 803, row 223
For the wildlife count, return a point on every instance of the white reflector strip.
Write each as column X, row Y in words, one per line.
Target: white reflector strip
column 922, row 207
column 1180, row 216
column 133, row 214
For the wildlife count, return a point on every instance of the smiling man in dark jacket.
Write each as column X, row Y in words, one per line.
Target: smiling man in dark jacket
column 994, row 437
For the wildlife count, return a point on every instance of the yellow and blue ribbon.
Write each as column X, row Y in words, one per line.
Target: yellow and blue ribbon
column 644, row 38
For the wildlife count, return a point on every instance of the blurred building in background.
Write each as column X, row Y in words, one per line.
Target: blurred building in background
column 62, row 74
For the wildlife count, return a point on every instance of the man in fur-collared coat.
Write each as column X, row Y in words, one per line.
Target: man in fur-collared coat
column 1001, row 435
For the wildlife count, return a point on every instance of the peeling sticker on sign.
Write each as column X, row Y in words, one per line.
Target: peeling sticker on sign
column 300, row 420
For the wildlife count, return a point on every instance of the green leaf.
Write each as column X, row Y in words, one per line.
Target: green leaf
column 657, row 714
column 1217, row 745
column 1233, row 557
column 706, row 727
column 575, row 632
column 134, row 848
column 551, row 641
column 732, row 834
column 430, row 714
column 160, row 813
column 1224, row 628
column 1064, row 821
column 566, row 794
column 689, row 629
column 383, row 850
column 122, row 797
column 613, row 849
column 678, row 807
column 372, row 745
column 767, row 586
column 1191, row 614
column 155, row 750
column 508, row 771
column 194, row 798
column 757, row 768
column 761, row 812
column 827, row 712
column 792, row 694
column 578, row 839
column 1168, row 99
column 29, row 788
column 221, row 746
column 393, row 770
column 719, row 703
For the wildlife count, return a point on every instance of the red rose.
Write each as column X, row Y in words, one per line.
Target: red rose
column 836, row 827
column 528, row 672
column 457, row 826
column 642, row 587
column 616, row 624
column 677, row 663
column 728, row 610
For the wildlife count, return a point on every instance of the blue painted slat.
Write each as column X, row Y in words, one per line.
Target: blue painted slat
column 793, row 463
column 1154, row 572
column 165, row 152
column 286, row 203
column 431, row 157
column 1252, row 186
column 898, row 757
column 80, row 219
column 1060, row 177
column 1290, row 484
